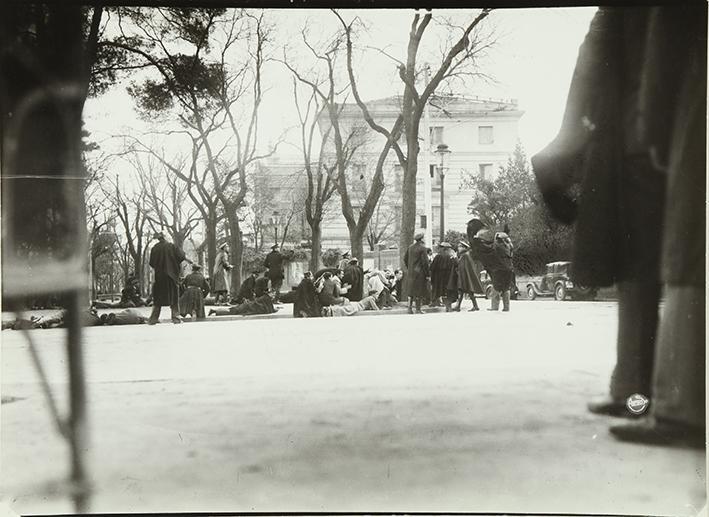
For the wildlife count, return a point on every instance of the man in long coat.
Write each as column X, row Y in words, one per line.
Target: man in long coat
column 275, row 272
column 441, row 272
column 637, row 156
column 417, row 273
column 165, row 259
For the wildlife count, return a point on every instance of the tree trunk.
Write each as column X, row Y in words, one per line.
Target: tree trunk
column 237, row 251
column 316, row 247
column 408, row 207
column 357, row 245
column 211, row 240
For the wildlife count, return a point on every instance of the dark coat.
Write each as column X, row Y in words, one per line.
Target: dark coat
column 261, row 305
column 417, row 270
column 646, row 62
column 306, row 303
column 274, row 264
column 440, row 273
column 330, row 292
column 354, row 275
column 165, row 259
column 260, row 286
column 246, row 291
column 468, row 280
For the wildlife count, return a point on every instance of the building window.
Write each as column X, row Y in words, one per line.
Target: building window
column 485, row 135
column 485, row 170
column 436, row 136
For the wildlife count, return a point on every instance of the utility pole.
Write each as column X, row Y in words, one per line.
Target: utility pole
column 425, row 160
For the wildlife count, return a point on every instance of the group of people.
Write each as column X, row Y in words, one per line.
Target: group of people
column 449, row 277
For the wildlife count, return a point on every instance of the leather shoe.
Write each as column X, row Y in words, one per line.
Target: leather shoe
column 654, row 431
column 610, row 407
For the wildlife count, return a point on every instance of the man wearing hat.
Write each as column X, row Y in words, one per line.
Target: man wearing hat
column 196, row 288
column 441, row 267
column 165, row 259
column 274, row 265
column 345, row 261
column 417, row 273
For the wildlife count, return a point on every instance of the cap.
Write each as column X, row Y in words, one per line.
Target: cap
column 445, row 245
column 463, row 244
column 419, row 236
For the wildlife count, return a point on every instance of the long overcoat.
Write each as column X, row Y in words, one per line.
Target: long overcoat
column 417, row 270
column 165, row 259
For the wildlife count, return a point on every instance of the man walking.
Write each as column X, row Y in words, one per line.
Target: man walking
column 165, row 259
column 274, row 265
column 417, row 273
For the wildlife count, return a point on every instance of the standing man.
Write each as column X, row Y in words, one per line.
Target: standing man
column 417, row 273
column 165, row 259
column 274, row 266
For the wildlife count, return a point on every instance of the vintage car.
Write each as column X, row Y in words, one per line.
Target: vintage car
column 557, row 282
column 486, row 282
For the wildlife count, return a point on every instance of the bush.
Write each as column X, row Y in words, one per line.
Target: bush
column 252, row 260
column 453, row 237
column 331, row 257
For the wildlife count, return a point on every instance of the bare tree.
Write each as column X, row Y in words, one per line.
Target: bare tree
column 166, row 199
column 131, row 214
column 345, row 141
column 458, row 61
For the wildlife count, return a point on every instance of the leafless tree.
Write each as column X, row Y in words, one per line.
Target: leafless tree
column 458, row 61
column 345, row 141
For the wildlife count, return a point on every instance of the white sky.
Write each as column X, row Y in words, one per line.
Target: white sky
column 532, row 62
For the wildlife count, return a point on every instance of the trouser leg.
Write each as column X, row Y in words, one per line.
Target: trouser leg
column 637, row 328
column 506, row 300
column 495, row 300
column 154, row 314
column 175, row 313
column 680, row 372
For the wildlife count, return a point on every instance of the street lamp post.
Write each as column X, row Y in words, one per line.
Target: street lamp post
column 275, row 221
column 442, row 151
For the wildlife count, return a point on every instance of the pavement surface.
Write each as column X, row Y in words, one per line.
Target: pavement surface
column 459, row 412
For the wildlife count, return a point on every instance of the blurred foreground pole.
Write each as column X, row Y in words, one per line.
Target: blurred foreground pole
column 43, row 85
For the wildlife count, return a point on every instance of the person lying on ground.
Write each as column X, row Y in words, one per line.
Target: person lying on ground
column 89, row 318
column 124, row 317
column 261, row 305
column 349, row 309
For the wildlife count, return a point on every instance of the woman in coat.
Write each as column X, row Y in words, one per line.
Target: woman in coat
column 196, row 288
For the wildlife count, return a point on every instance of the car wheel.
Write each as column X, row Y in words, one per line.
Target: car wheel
column 531, row 293
column 488, row 292
column 560, row 292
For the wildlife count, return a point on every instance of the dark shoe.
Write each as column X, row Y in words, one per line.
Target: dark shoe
column 419, row 311
column 153, row 322
column 456, row 309
column 211, row 312
column 474, row 309
column 609, row 407
column 505, row 310
column 653, row 431
column 411, row 311
column 176, row 320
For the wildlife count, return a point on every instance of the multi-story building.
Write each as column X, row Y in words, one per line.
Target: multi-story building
column 480, row 133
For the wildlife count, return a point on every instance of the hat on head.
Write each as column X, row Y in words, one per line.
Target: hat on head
column 275, row 246
column 445, row 245
column 354, row 261
column 419, row 236
column 463, row 244
column 484, row 234
column 158, row 235
column 346, row 254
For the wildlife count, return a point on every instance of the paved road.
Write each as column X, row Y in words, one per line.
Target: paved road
column 446, row 412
